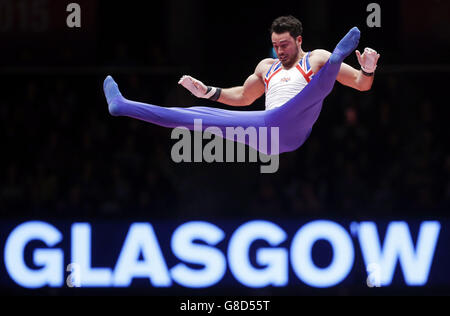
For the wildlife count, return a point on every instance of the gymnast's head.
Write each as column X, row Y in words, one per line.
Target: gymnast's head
column 286, row 32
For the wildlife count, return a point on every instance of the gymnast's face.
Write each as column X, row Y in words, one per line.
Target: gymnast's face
column 287, row 48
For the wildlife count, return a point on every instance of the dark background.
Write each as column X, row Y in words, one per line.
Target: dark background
column 378, row 154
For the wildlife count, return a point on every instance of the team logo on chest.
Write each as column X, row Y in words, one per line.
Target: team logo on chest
column 285, row 79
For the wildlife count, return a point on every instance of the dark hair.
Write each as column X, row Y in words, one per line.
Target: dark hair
column 287, row 24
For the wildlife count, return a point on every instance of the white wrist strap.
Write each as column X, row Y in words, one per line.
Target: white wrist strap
column 211, row 92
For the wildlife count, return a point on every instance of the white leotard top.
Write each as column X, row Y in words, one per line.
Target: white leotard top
column 282, row 85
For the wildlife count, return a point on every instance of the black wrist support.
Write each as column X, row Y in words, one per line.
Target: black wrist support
column 216, row 95
column 368, row 74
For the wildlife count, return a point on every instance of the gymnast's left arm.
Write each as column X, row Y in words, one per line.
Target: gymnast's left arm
column 360, row 80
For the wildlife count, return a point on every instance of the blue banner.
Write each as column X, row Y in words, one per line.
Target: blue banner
column 254, row 255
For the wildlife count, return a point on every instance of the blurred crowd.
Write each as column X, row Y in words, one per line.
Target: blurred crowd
column 381, row 153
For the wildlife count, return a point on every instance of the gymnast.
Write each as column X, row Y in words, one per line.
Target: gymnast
column 295, row 85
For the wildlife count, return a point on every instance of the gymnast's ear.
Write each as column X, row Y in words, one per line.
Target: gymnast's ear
column 299, row 40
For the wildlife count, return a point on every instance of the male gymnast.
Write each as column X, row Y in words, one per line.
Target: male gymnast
column 295, row 85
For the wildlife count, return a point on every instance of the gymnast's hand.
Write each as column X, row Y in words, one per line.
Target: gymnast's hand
column 195, row 86
column 368, row 60
column 199, row 89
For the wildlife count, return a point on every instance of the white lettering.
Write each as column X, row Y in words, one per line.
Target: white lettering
column 343, row 254
column 81, row 255
column 184, row 248
column 51, row 260
column 74, row 18
column 374, row 18
column 198, row 243
column 275, row 260
column 141, row 239
column 398, row 245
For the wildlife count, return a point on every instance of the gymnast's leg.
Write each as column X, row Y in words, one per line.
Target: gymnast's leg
column 297, row 117
column 178, row 117
column 182, row 117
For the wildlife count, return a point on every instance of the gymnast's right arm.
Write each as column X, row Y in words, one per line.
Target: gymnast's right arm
column 245, row 95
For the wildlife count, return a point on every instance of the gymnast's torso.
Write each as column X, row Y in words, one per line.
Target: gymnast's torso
column 281, row 84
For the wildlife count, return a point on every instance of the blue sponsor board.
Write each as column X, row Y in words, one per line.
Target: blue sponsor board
column 257, row 254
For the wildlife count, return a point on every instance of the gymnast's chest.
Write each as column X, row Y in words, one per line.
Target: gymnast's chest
column 287, row 79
